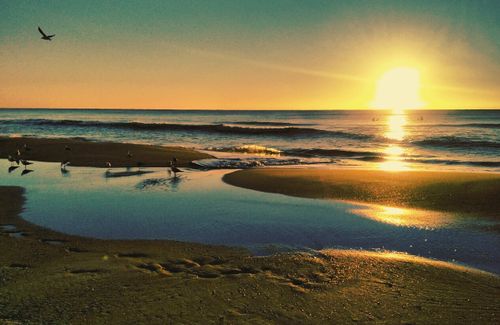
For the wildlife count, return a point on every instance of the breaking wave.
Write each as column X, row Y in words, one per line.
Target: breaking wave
column 456, row 142
column 205, row 128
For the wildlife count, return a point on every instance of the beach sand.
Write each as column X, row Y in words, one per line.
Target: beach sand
column 96, row 154
column 464, row 193
column 50, row 277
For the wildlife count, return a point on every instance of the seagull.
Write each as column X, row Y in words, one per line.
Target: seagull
column 175, row 170
column 12, row 160
column 25, row 163
column 173, row 167
column 108, row 164
column 64, row 164
column 45, row 36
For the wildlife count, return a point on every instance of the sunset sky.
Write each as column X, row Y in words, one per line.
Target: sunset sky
column 253, row 54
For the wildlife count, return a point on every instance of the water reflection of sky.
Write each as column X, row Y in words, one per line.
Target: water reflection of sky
column 406, row 217
column 199, row 207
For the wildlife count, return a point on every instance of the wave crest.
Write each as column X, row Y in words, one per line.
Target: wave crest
column 456, row 142
column 205, row 128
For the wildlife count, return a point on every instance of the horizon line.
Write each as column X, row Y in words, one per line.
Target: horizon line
column 243, row 109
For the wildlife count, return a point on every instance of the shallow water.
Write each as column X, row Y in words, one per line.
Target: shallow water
column 199, row 207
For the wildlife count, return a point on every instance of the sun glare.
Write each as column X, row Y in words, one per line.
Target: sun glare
column 398, row 89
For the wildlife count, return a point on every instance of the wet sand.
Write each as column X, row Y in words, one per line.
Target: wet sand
column 49, row 277
column 96, row 154
column 459, row 192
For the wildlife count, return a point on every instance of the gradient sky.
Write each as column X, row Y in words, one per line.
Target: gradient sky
column 245, row 54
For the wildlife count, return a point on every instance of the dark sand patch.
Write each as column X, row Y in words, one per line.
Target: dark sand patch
column 87, row 271
column 57, row 242
column 19, row 266
column 132, row 255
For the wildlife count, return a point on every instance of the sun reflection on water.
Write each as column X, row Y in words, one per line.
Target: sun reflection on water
column 394, row 162
column 393, row 153
column 404, row 217
column 395, row 125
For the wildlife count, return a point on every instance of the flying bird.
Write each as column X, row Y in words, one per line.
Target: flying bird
column 45, row 36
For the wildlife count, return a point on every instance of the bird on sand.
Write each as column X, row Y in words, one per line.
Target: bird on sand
column 26, row 163
column 12, row 160
column 173, row 167
column 64, row 164
column 45, row 36
column 175, row 170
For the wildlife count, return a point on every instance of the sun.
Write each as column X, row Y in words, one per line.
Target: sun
column 398, row 89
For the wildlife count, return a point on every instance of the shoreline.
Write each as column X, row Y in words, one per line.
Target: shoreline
column 76, row 279
column 461, row 193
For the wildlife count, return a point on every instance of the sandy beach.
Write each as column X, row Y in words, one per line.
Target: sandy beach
column 459, row 192
column 48, row 276
column 96, row 154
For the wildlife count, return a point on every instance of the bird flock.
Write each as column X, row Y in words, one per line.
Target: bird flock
column 20, row 158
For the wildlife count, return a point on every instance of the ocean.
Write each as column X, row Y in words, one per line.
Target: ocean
column 392, row 140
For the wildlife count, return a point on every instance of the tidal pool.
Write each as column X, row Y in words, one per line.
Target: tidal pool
column 198, row 207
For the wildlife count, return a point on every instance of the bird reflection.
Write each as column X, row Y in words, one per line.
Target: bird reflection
column 12, row 168
column 170, row 184
column 174, row 183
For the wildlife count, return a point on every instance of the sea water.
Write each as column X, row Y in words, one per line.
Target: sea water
column 391, row 140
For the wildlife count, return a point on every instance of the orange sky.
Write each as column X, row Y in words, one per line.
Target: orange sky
column 245, row 56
